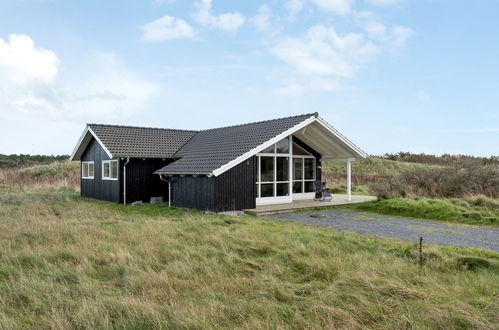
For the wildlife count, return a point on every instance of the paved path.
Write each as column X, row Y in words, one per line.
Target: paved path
column 408, row 229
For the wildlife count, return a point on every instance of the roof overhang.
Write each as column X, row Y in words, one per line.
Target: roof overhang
column 317, row 133
column 326, row 140
column 83, row 142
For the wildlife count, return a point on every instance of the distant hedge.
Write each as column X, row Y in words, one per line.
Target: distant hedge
column 444, row 159
column 7, row 161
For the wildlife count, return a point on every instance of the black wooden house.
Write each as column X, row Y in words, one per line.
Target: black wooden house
column 221, row 169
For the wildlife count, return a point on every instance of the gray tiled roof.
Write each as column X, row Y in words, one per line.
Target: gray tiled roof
column 210, row 149
column 141, row 142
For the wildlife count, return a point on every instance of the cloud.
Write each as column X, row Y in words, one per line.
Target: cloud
column 293, row 7
column 230, row 22
column 384, row 3
column 101, row 88
column 324, row 58
column 22, row 63
column 422, row 96
column 395, row 37
column 262, row 20
column 166, row 28
column 340, row 7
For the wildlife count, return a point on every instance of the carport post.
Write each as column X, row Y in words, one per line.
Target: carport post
column 349, row 180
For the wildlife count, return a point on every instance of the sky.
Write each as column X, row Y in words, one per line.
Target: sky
column 391, row 75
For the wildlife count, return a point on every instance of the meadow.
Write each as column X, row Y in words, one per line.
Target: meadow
column 68, row 262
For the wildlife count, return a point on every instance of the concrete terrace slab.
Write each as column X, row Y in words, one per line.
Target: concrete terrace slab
column 307, row 204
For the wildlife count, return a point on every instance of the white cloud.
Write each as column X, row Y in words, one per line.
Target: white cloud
column 400, row 35
column 422, row 96
column 394, row 37
column 230, row 22
column 340, row 7
column 384, row 3
column 99, row 89
column 293, row 7
column 166, row 28
column 22, row 63
column 324, row 58
column 262, row 20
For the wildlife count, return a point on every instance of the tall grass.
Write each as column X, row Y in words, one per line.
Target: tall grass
column 66, row 262
column 61, row 175
column 480, row 210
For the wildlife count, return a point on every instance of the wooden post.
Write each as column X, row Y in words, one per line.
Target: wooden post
column 420, row 253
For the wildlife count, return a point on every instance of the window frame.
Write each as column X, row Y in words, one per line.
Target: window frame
column 110, row 162
column 274, row 155
column 303, row 180
column 88, row 177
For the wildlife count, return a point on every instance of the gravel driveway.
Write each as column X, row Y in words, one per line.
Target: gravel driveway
column 408, row 229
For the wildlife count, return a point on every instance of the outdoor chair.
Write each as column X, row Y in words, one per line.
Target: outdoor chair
column 321, row 193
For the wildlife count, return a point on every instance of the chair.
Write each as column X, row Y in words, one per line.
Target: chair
column 322, row 194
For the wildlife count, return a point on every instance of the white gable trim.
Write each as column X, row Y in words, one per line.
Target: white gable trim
column 343, row 139
column 281, row 136
column 82, row 138
column 263, row 146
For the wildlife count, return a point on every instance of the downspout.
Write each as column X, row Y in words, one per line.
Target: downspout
column 169, row 189
column 124, row 180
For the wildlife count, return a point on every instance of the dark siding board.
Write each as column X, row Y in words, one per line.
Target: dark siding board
column 141, row 182
column 193, row 192
column 108, row 190
column 235, row 188
column 318, row 156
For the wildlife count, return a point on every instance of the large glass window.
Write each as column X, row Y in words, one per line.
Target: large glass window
column 282, row 169
column 309, row 168
column 267, row 190
column 297, row 168
column 303, row 170
column 282, row 147
column 273, row 170
column 267, row 169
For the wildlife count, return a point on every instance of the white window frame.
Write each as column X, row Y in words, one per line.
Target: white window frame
column 303, row 194
column 110, row 166
column 88, row 177
column 274, row 199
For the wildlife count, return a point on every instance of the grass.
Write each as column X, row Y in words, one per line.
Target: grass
column 477, row 210
column 68, row 262
column 370, row 166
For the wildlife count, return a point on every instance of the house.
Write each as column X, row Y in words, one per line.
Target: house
column 222, row 169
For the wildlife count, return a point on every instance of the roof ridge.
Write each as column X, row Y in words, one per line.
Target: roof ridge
column 262, row 121
column 146, row 127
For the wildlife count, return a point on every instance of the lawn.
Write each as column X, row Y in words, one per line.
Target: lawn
column 67, row 262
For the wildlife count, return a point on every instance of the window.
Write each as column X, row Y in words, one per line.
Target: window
column 303, row 170
column 87, row 170
column 282, row 147
column 273, row 179
column 109, row 170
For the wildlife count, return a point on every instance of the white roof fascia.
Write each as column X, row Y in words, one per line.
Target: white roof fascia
column 82, row 137
column 342, row 138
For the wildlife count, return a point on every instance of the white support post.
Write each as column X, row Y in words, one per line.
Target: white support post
column 349, row 180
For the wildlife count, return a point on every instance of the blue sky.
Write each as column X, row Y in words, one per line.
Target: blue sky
column 392, row 75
